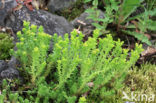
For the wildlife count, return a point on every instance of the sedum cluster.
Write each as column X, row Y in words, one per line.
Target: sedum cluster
column 84, row 67
column 32, row 50
column 75, row 71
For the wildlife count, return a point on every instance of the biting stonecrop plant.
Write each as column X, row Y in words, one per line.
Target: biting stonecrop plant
column 39, row 94
column 75, row 70
column 32, row 50
column 86, row 67
column 119, row 14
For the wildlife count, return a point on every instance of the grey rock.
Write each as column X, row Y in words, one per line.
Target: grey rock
column 3, row 65
column 85, row 23
column 5, row 10
column 58, row 5
column 8, row 70
column 10, row 73
column 83, row 18
column 51, row 23
column 13, row 62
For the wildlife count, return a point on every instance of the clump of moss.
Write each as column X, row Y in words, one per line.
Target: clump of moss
column 6, row 43
column 140, row 80
column 72, row 12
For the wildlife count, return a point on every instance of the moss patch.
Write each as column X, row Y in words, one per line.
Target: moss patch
column 140, row 81
column 6, row 43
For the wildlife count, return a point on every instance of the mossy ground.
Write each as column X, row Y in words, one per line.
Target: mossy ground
column 6, row 43
column 140, row 80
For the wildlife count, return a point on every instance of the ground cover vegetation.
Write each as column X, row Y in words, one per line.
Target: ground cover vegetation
column 79, row 70
column 6, row 43
column 120, row 15
column 73, row 69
